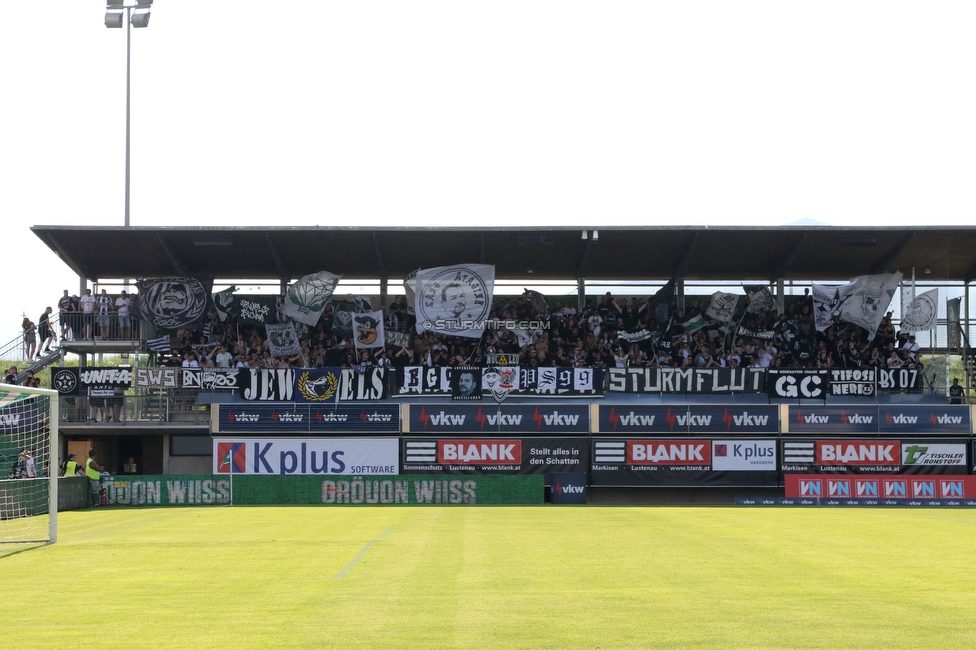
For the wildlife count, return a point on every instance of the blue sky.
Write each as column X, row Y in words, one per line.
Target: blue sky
column 508, row 113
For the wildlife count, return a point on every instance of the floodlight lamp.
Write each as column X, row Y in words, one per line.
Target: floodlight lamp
column 140, row 19
column 114, row 19
column 596, row 235
column 584, row 236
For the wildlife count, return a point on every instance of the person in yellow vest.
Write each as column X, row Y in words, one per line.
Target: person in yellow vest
column 69, row 467
column 93, row 471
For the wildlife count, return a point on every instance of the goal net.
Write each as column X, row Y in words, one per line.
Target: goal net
column 28, row 464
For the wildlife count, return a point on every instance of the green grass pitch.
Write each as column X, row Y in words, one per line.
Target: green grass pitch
column 495, row 577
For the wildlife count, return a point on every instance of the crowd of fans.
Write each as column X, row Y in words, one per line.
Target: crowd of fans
column 610, row 332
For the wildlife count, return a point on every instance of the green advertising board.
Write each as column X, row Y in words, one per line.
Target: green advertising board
column 313, row 490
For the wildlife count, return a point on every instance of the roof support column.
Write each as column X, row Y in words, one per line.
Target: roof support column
column 384, row 287
column 780, row 297
column 679, row 292
column 966, row 365
column 580, row 295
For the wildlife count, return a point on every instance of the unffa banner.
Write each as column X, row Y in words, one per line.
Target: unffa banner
column 102, row 382
column 684, row 462
column 799, row 383
column 346, row 456
column 873, row 456
column 493, row 455
column 188, row 490
column 488, row 419
column 883, row 489
column 620, row 419
column 686, row 380
column 290, row 417
column 385, row 490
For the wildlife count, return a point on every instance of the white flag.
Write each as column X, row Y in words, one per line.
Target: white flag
column 367, row 329
column 722, row 307
column 922, row 312
column 306, row 298
column 868, row 300
column 454, row 300
column 410, row 290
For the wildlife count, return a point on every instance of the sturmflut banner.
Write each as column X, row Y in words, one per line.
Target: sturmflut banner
column 686, row 380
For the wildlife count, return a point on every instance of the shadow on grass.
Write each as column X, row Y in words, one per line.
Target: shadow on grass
column 8, row 550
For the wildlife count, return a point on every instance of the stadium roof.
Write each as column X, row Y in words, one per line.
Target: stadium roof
column 618, row 253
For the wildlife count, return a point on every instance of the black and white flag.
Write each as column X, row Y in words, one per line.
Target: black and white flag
column 869, row 299
column 282, row 340
column 175, row 303
column 761, row 300
column 723, row 306
column 307, row 297
column 161, row 344
column 922, row 313
column 455, row 300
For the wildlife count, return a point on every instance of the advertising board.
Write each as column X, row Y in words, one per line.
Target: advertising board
column 291, row 418
column 283, row 456
column 683, row 462
column 500, row 419
column 493, row 455
column 620, row 419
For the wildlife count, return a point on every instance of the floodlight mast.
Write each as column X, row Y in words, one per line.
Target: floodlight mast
column 114, row 16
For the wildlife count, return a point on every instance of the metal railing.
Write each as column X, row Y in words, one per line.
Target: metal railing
column 120, row 410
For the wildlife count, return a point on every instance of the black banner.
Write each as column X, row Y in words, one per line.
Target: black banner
column 684, row 462
column 493, row 455
column 210, row 378
column 320, row 385
column 908, row 380
column 797, row 384
column 544, row 382
column 159, row 377
column 103, row 382
column 267, row 384
column 687, row 380
column 853, row 381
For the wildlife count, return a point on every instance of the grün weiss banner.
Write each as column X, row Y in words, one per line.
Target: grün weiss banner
column 314, row 490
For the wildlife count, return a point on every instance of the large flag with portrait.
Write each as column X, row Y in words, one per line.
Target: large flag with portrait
column 454, row 300
column 175, row 303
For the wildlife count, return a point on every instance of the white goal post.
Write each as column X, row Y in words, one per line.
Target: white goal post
column 28, row 464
